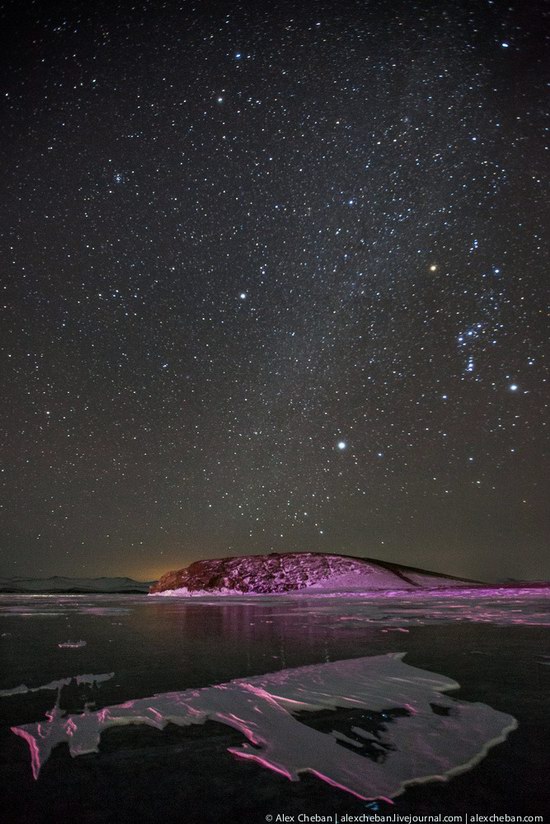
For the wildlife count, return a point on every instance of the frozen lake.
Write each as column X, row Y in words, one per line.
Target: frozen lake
column 353, row 698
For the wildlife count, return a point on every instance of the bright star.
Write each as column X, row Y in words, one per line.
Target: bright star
column 513, row 387
column 341, row 445
column 243, row 296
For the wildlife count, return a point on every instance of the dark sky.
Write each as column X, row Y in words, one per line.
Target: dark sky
column 276, row 279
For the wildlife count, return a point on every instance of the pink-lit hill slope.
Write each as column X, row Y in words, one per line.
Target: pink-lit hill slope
column 293, row 571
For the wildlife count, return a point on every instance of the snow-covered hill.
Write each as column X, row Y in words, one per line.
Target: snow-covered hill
column 292, row 571
column 73, row 585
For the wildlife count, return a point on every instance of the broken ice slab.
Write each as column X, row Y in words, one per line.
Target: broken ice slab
column 72, row 644
column 87, row 678
column 421, row 745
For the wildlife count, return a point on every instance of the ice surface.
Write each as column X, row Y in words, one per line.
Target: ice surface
column 53, row 605
column 420, row 744
column 504, row 606
column 61, row 584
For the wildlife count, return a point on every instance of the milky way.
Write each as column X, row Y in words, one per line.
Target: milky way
column 275, row 280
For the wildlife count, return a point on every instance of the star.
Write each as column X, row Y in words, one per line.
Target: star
column 337, row 199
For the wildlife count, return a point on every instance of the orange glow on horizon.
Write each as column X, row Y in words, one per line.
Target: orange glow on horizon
column 153, row 573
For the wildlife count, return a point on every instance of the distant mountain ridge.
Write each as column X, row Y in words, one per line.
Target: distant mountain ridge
column 297, row 571
column 58, row 583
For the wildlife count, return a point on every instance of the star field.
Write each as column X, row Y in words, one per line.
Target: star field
column 275, row 279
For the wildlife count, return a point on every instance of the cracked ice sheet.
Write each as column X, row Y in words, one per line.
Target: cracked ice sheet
column 424, row 746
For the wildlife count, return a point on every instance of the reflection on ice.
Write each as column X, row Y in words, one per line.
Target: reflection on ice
column 425, row 735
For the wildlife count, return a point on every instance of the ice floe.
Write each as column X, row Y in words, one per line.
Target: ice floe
column 427, row 735
column 87, row 678
column 72, row 644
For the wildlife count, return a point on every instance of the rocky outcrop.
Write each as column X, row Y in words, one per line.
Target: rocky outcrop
column 292, row 571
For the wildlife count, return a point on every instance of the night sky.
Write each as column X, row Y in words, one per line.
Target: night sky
column 275, row 279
